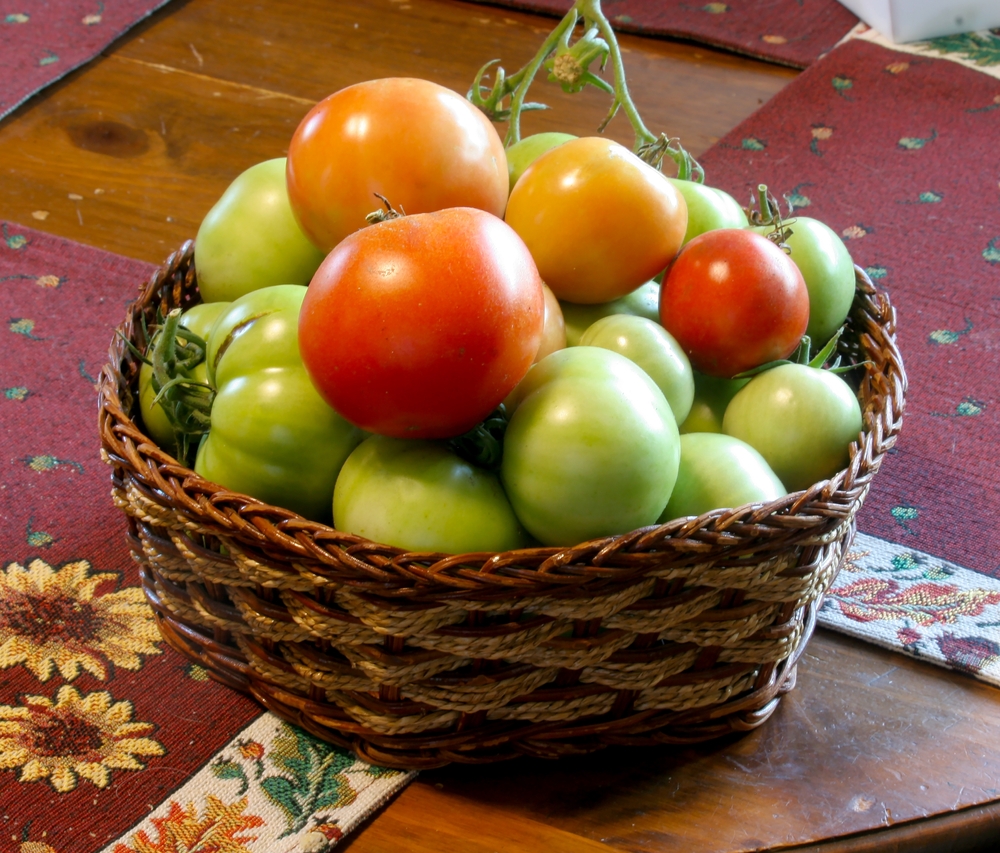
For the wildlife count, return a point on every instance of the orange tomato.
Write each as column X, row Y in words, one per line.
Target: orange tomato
column 598, row 221
column 422, row 146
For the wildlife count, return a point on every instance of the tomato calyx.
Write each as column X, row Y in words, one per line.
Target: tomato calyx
column 482, row 445
column 173, row 353
column 385, row 215
column 803, row 355
column 688, row 169
column 568, row 65
column 768, row 212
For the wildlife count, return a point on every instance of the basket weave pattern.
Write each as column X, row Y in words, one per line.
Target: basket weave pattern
column 670, row 634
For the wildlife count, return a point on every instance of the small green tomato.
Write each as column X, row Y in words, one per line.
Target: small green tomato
column 420, row 496
column 802, row 421
column 250, row 238
column 709, row 208
column 523, row 153
column 654, row 349
column 716, row 472
column 644, row 301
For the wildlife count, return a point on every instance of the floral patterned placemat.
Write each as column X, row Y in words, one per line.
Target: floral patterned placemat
column 43, row 42
column 979, row 51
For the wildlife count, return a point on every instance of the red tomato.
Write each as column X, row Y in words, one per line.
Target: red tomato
column 422, row 146
column 418, row 327
column 597, row 219
column 734, row 300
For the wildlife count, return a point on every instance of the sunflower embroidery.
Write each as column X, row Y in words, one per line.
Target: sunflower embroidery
column 55, row 618
column 74, row 736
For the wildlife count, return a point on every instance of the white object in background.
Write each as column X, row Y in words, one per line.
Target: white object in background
column 915, row 20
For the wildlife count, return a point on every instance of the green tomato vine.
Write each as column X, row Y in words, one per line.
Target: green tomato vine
column 568, row 64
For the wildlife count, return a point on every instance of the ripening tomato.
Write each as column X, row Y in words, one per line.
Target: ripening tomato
column 598, row 220
column 734, row 301
column 554, row 334
column 422, row 146
column 418, row 327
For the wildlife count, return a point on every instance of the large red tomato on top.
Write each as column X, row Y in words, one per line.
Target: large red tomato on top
column 419, row 144
column 734, row 300
column 418, row 327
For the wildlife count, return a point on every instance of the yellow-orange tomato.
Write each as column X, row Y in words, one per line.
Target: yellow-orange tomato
column 598, row 220
column 554, row 330
column 418, row 144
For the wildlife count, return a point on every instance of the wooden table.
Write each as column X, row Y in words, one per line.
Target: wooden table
column 871, row 751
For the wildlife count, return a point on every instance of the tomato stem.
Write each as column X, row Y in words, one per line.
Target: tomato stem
column 568, row 65
column 173, row 352
column 482, row 445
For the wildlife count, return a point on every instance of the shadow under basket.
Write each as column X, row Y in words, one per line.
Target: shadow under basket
column 671, row 634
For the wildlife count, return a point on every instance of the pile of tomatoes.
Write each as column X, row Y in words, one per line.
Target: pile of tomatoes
column 401, row 289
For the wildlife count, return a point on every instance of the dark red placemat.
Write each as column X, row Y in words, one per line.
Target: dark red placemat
column 898, row 153
column 789, row 32
column 43, row 40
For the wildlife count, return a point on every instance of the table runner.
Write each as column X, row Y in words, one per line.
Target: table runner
column 788, row 32
column 111, row 742
column 44, row 40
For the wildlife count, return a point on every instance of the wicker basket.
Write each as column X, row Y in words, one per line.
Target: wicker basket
column 665, row 635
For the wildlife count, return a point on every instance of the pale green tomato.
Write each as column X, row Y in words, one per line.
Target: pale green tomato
column 243, row 312
column 198, row 319
column 644, row 301
column 592, row 451
column 711, row 396
column 523, row 153
column 272, row 436
column 654, row 349
column 802, row 420
column 709, row 208
column 719, row 472
column 828, row 270
column 250, row 238
column 420, row 496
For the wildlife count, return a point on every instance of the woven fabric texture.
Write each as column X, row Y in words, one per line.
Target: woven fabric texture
column 787, row 32
column 42, row 42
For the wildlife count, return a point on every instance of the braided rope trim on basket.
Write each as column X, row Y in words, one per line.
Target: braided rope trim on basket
column 669, row 634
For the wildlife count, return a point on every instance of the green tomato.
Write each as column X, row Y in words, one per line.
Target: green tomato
column 709, row 208
column 420, row 496
column 250, row 238
column 711, row 396
column 242, row 313
column 716, row 472
column 198, row 319
column 801, row 420
column 523, row 153
column 644, row 301
column 654, row 349
column 828, row 270
column 272, row 436
column 591, row 451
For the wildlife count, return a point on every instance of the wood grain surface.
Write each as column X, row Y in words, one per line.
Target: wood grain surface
column 871, row 751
